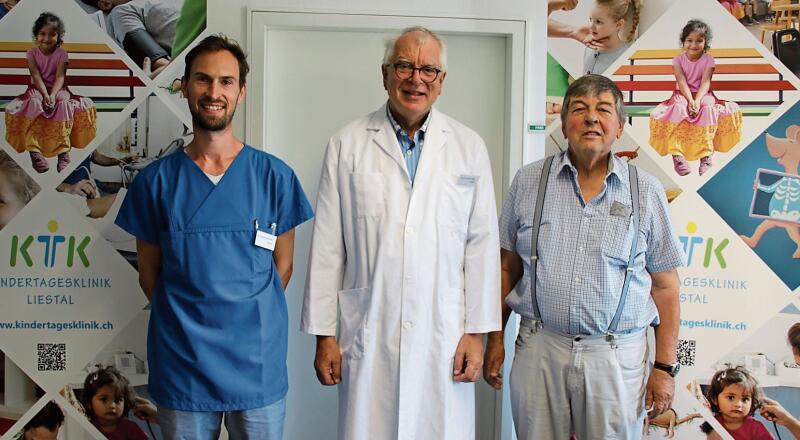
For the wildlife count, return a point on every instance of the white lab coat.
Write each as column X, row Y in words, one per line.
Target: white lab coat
column 410, row 271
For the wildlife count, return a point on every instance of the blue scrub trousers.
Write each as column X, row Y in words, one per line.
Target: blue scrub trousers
column 261, row 423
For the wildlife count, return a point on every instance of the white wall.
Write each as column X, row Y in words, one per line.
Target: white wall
column 231, row 18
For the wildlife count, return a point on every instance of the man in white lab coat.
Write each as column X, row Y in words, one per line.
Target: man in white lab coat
column 406, row 247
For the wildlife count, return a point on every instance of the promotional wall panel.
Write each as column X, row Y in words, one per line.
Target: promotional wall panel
column 72, row 304
column 737, row 222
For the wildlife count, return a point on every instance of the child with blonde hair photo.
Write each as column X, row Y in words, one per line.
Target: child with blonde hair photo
column 607, row 20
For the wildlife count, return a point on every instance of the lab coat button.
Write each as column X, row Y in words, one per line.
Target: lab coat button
column 407, row 325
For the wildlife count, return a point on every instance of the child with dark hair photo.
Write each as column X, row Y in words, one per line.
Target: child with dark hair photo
column 44, row 425
column 108, row 397
column 734, row 395
column 693, row 123
column 48, row 120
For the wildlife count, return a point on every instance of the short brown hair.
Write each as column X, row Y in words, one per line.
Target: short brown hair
column 794, row 337
column 216, row 43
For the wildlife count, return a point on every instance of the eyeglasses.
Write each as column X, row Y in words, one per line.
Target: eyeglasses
column 404, row 70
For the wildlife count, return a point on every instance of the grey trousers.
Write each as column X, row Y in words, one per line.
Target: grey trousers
column 562, row 384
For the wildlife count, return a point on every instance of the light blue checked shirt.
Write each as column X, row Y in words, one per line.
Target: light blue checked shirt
column 411, row 148
column 583, row 249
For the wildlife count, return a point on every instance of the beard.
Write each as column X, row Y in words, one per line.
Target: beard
column 211, row 124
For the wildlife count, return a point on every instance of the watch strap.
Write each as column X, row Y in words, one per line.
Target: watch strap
column 671, row 369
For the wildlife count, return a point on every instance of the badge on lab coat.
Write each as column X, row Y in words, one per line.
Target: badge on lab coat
column 467, row 180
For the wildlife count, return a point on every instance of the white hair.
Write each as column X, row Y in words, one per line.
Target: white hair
column 391, row 45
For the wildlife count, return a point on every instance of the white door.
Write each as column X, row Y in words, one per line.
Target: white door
column 313, row 73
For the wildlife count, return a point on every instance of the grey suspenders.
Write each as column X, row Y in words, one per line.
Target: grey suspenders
column 537, row 221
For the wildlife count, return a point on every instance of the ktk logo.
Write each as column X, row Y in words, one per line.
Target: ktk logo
column 705, row 246
column 52, row 246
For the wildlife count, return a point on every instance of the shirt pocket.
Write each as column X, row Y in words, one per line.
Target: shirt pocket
column 220, row 260
column 618, row 239
column 367, row 192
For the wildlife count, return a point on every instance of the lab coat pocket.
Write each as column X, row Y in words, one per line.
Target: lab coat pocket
column 455, row 201
column 452, row 313
column 367, row 194
column 353, row 306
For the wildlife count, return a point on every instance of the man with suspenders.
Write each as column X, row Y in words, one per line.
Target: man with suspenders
column 603, row 269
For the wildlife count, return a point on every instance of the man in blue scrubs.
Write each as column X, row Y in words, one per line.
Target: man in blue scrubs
column 215, row 234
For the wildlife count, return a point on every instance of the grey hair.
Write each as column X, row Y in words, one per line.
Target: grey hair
column 390, row 45
column 593, row 85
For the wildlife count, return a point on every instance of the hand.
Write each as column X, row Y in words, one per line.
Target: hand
column 145, row 410
column 469, row 358
column 493, row 360
column 774, row 412
column 48, row 102
column 128, row 159
column 693, row 108
column 85, row 188
column 584, row 36
column 562, row 5
column 328, row 362
column 553, row 108
column 152, row 69
column 659, row 394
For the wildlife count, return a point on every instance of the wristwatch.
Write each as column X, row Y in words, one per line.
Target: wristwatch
column 671, row 369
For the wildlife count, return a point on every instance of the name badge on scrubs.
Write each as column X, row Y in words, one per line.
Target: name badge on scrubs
column 265, row 239
column 467, row 180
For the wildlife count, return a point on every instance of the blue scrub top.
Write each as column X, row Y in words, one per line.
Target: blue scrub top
column 82, row 171
column 217, row 338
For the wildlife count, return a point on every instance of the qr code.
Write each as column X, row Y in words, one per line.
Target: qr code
column 686, row 351
column 52, row 357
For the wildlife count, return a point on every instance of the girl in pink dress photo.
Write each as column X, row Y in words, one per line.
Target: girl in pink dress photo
column 693, row 123
column 48, row 120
